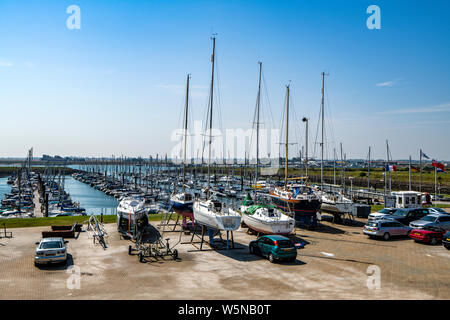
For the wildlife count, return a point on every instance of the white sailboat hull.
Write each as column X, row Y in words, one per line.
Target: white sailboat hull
column 269, row 227
column 339, row 207
column 219, row 221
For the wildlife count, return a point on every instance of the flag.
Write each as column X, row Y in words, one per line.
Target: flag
column 391, row 168
column 414, row 169
column 424, row 155
column 440, row 170
column 438, row 165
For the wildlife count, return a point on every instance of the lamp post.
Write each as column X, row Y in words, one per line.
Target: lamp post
column 351, row 187
column 306, row 146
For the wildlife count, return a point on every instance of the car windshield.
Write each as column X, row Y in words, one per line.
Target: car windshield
column 386, row 211
column 371, row 224
column 440, row 210
column 285, row 243
column 429, row 218
column 51, row 245
column 400, row 213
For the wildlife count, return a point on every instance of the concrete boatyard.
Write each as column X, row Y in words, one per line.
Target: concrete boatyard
column 335, row 264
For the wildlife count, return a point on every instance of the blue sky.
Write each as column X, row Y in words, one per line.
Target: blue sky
column 116, row 86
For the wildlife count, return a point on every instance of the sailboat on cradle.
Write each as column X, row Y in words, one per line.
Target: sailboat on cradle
column 263, row 218
column 182, row 203
column 333, row 202
column 210, row 213
column 298, row 200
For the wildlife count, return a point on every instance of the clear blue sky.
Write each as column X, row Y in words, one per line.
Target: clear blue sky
column 116, row 85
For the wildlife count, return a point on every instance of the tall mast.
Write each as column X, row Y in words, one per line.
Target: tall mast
column 185, row 131
column 368, row 173
column 323, row 116
column 287, row 137
column 211, row 100
column 257, row 121
column 258, row 103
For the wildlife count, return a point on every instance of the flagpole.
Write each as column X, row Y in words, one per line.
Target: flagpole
column 409, row 173
column 435, row 183
column 420, row 174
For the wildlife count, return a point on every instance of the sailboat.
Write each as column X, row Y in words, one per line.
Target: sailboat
column 298, row 200
column 264, row 218
column 182, row 203
column 210, row 213
column 333, row 202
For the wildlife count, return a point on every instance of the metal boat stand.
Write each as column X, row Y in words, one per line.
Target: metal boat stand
column 213, row 244
column 5, row 234
column 177, row 226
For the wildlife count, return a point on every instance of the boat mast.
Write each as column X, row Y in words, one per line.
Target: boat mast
column 258, row 103
column 211, row 95
column 323, row 116
column 287, row 138
column 368, row 173
column 185, row 131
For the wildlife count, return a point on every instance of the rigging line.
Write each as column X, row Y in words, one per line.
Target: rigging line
column 330, row 117
column 268, row 99
column 317, row 132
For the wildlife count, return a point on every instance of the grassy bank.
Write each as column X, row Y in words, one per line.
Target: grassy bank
column 59, row 221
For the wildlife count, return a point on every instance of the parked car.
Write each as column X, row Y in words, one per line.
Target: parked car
column 406, row 216
column 446, row 240
column 431, row 235
column 50, row 250
column 437, row 210
column 274, row 247
column 385, row 229
column 435, row 219
column 381, row 213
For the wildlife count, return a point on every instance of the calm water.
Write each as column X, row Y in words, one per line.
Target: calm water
column 94, row 201
column 4, row 187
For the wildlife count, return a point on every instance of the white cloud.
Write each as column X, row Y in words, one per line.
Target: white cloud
column 445, row 107
column 6, row 64
column 388, row 83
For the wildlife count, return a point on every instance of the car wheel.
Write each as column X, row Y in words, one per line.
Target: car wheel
column 129, row 249
column 250, row 248
column 292, row 259
column 141, row 257
column 433, row 241
column 386, row 236
column 447, row 246
column 271, row 258
column 36, row 264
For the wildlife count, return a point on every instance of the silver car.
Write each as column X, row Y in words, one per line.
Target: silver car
column 432, row 220
column 50, row 250
column 385, row 229
column 380, row 215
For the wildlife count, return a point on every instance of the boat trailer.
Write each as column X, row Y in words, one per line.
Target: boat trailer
column 98, row 230
column 149, row 244
column 146, row 240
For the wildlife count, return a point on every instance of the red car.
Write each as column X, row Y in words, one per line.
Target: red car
column 432, row 235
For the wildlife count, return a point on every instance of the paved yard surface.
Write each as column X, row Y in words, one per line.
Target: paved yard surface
column 333, row 265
